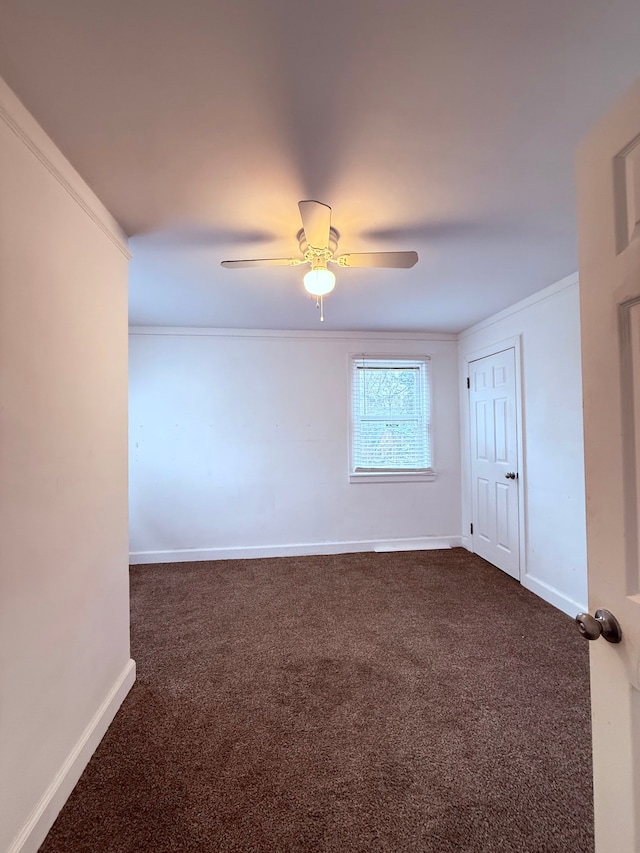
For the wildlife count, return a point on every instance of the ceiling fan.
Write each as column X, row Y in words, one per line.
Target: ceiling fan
column 318, row 242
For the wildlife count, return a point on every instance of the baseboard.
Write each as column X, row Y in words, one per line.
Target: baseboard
column 46, row 811
column 425, row 543
column 188, row 555
column 466, row 542
column 553, row 596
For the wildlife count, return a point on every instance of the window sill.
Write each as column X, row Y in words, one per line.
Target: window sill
column 392, row 476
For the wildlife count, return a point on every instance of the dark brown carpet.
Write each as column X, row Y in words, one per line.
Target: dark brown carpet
column 419, row 701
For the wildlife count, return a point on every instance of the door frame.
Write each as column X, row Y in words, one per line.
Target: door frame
column 514, row 343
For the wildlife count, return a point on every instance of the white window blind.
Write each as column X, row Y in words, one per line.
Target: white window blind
column 390, row 415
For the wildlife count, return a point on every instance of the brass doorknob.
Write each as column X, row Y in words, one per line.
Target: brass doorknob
column 604, row 623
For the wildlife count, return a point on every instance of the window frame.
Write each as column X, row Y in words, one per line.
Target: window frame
column 394, row 475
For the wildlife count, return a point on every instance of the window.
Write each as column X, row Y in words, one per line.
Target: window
column 390, row 420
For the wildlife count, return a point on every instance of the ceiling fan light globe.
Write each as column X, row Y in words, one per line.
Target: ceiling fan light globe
column 319, row 282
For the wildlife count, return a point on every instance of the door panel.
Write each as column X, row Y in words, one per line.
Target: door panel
column 481, row 431
column 495, row 453
column 499, row 376
column 608, row 173
column 504, row 533
column 500, row 419
column 483, row 509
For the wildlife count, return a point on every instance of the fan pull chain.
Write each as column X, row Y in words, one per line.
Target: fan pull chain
column 322, row 309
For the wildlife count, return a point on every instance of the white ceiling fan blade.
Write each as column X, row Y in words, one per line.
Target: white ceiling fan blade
column 316, row 221
column 262, row 262
column 394, row 260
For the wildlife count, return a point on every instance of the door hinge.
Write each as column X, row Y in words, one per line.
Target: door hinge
column 471, row 528
column 468, row 382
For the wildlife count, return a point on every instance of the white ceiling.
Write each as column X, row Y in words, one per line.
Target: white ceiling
column 445, row 126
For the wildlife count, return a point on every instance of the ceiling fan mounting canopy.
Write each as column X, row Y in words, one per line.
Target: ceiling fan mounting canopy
column 332, row 242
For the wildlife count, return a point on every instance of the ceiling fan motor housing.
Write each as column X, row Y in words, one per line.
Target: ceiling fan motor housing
column 332, row 245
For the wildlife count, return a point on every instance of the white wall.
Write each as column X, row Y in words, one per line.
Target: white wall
column 239, row 447
column 552, row 482
column 64, row 618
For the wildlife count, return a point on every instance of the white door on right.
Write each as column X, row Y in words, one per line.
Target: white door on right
column 608, row 179
column 494, row 460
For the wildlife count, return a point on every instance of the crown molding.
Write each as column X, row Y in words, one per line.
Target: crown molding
column 18, row 119
column 539, row 296
column 197, row 331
